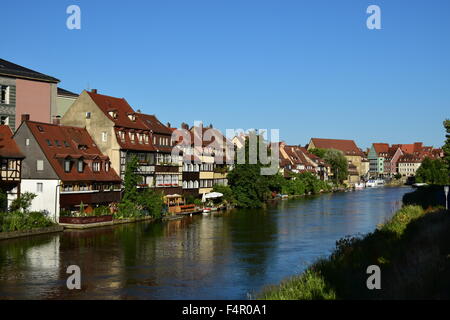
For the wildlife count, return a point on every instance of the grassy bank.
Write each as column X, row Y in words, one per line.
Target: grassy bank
column 412, row 249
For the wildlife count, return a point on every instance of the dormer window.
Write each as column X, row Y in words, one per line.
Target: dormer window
column 146, row 138
column 113, row 114
column 96, row 166
column 80, row 166
column 107, row 166
column 67, row 165
column 132, row 116
column 132, row 137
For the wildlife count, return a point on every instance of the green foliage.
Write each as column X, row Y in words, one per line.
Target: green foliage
column 131, row 180
column 152, row 202
column 19, row 221
column 309, row 286
column 338, row 163
column 446, row 146
column 228, row 195
column 428, row 196
column 318, row 152
column 250, row 188
column 304, row 183
column 23, row 202
column 397, row 176
column 433, row 171
column 3, row 199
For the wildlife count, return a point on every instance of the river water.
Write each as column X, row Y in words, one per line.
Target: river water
column 228, row 255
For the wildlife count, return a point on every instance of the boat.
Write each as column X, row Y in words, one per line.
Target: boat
column 371, row 184
column 380, row 182
column 360, row 185
column 418, row 185
column 206, row 211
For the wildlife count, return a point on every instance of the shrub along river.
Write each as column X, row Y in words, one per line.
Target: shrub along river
column 228, row 255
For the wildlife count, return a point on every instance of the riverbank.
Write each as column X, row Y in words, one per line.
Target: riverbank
column 411, row 249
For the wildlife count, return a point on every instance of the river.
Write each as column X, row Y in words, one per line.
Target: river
column 227, row 255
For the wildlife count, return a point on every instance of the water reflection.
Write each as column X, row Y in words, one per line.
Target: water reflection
column 222, row 256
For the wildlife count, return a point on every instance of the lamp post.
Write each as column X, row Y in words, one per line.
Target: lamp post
column 446, row 197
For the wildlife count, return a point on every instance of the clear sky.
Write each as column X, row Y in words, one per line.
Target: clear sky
column 309, row 68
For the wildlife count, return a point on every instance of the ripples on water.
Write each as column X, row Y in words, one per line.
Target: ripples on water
column 222, row 256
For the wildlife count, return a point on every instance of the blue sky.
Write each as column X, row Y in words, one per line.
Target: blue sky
column 309, row 68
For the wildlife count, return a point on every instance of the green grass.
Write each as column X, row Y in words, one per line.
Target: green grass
column 412, row 249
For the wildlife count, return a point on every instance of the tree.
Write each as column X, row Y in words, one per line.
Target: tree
column 228, row 195
column 446, row 146
column 22, row 203
column 250, row 188
column 433, row 171
column 131, row 181
column 338, row 163
column 318, row 152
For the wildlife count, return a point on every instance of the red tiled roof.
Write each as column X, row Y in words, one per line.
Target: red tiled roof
column 381, row 147
column 153, row 124
column 70, row 142
column 123, row 109
column 8, row 147
column 348, row 147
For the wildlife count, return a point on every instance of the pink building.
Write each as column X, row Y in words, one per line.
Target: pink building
column 25, row 91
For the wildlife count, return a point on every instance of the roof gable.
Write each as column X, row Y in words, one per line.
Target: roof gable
column 14, row 70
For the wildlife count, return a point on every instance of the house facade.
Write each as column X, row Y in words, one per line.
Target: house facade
column 352, row 153
column 296, row 159
column 11, row 159
column 64, row 101
column 64, row 168
column 123, row 134
column 25, row 91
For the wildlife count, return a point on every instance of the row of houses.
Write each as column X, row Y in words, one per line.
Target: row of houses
column 403, row 159
column 72, row 149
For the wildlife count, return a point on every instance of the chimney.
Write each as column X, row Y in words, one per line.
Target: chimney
column 168, row 124
column 210, row 126
column 25, row 117
column 184, row 126
column 94, row 91
column 57, row 120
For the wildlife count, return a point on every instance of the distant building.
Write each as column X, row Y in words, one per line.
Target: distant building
column 64, row 101
column 350, row 150
column 296, row 159
column 25, row 91
column 10, row 167
column 64, row 168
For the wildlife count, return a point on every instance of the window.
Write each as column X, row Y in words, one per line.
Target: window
column 57, row 143
column 159, row 180
column 66, row 144
column 107, row 165
column 104, row 136
column 80, row 166
column 67, row 165
column 39, row 187
column 4, row 94
column 175, row 180
column 40, row 165
column 96, row 166
column 88, row 115
column 49, row 143
column 4, row 120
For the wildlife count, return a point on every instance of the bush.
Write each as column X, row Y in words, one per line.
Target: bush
column 19, row 221
column 23, row 202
